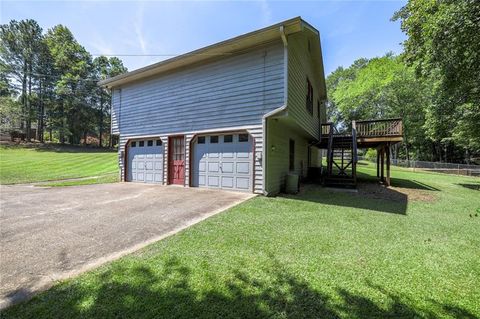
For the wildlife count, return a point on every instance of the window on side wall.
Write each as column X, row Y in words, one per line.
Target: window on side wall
column 309, row 99
column 291, row 154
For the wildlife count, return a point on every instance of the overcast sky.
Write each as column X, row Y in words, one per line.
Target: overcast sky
column 348, row 29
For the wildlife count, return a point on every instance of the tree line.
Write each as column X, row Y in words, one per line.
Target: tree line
column 49, row 81
column 434, row 85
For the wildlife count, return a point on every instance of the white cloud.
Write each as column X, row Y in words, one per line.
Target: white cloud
column 99, row 45
column 266, row 12
column 138, row 27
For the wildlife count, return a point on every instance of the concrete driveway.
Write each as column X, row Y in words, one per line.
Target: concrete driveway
column 47, row 234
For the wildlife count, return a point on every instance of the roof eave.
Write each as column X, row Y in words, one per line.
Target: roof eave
column 226, row 47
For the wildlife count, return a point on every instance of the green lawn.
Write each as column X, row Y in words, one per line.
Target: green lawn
column 320, row 254
column 34, row 164
column 110, row 178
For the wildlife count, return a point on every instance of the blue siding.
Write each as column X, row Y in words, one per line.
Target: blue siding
column 233, row 91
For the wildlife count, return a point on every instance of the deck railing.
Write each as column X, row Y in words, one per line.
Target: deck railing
column 370, row 128
column 377, row 128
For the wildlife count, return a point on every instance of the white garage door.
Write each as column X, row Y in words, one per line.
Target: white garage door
column 145, row 161
column 223, row 161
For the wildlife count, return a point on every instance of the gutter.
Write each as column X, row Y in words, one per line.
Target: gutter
column 277, row 111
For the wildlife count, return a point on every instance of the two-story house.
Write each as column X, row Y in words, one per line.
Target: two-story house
column 238, row 115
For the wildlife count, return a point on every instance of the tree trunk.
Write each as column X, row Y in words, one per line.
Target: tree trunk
column 62, row 126
column 100, row 127
column 29, row 105
column 24, row 96
column 40, row 113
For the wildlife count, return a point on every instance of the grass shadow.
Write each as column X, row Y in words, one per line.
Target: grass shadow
column 170, row 289
column 475, row 187
column 397, row 182
column 59, row 148
column 369, row 196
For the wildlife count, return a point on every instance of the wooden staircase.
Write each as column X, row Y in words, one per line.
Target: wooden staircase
column 341, row 159
column 341, row 169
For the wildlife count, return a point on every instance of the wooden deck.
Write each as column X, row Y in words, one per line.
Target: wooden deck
column 379, row 134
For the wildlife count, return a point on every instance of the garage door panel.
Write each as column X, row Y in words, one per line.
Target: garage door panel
column 243, row 167
column 227, row 167
column 224, row 164
column 243, row 154
column 213, row 181
column 149, row 166
column 213, row 167
column 227, row 181
column 243, row 183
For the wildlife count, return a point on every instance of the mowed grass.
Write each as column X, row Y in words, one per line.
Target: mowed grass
column 33, row 164
column 110, row 178
column 319, row 254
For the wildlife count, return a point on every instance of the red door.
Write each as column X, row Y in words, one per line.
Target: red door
column 176, row 160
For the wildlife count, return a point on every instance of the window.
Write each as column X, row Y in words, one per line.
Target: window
column 309, row 46
column 134, row 144
column 309, row 100
column 150, row 143
column 243, row 138
column 141, row 143
column 201, row 140
column 214, row 139
column 159, row 142
column 228, row 138
column 318, row 109
column 291, row 153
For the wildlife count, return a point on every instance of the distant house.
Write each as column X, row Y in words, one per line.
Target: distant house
column 238, row 115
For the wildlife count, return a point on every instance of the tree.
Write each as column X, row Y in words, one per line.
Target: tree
column 105, row 68
column 443, row 46
column 73, row 69
column 10, row 108
column 19, row 53
column 382, row 88
column 333, row 80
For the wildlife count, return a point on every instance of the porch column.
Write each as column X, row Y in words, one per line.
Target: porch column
column 382, row 160
column 387, row 181
column 378, row 163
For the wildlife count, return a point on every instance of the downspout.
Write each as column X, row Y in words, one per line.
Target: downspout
column 277, row 110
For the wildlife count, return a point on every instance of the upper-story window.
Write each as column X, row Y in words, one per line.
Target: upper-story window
column 309, row 101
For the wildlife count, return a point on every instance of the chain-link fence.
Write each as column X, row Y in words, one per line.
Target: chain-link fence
column 448, row 168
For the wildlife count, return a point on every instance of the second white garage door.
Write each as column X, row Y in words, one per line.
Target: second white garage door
column 223, row 161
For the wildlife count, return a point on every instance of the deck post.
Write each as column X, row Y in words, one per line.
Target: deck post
column 382, row 160
column 378, row 163
column 387, row 181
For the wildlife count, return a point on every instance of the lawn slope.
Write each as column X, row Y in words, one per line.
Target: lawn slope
column 34, row 164
column 409, row 252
